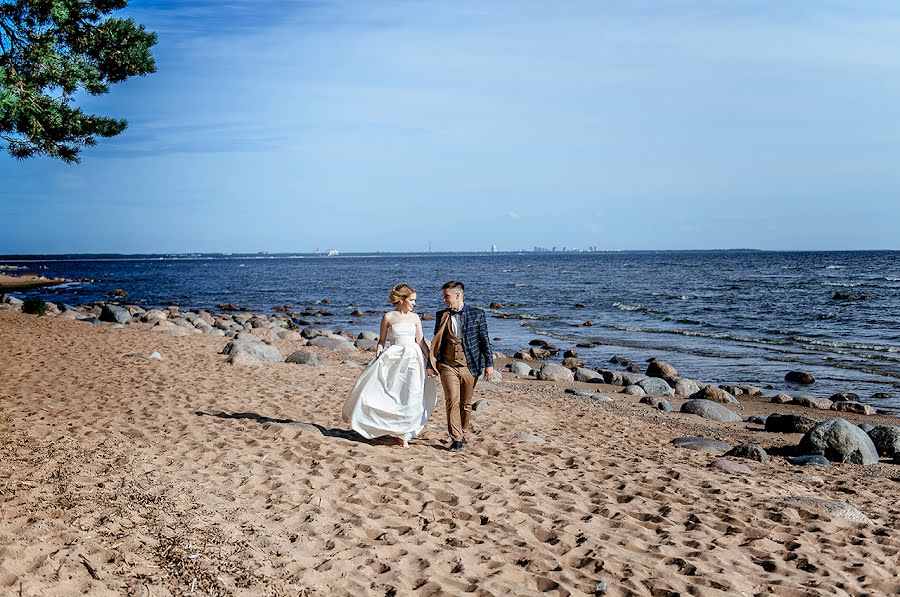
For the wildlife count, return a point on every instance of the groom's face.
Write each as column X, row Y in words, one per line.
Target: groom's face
column 453, row 298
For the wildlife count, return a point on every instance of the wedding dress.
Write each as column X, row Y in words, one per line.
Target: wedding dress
column 392, row 395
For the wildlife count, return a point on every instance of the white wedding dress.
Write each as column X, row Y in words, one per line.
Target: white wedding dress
column 392, row 395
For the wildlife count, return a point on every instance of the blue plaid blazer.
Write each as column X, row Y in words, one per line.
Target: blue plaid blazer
column 474, row 335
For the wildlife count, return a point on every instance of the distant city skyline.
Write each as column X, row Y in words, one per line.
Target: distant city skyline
column 404, row 125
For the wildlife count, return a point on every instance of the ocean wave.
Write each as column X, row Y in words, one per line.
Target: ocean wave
column 844, row 284
column 691, row 321
column 891, row 279
column 642, row 308
column 696, row 334
column 850, row 345
column 835, row 267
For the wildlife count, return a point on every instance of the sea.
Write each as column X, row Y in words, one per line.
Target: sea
column 724, row 317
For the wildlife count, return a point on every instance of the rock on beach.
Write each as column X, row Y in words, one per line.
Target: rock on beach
column 710, row 410
column 838, row 440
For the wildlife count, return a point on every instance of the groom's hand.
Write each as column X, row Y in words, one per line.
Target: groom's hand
column 431, row 373
column 489, row 374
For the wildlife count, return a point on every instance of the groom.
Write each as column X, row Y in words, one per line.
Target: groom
column 462, row 349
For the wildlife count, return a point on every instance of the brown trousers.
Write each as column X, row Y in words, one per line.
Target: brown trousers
column 459, row 388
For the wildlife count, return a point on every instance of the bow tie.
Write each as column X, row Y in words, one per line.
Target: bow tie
column 452, row 312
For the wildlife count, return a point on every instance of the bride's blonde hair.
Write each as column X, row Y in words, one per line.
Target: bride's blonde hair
column 400, row 293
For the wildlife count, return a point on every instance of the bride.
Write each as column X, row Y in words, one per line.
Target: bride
column 392, row 395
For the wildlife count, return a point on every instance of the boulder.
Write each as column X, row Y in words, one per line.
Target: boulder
column 656, row 386
column 304, row 357
column 701, row 444
column 539, row 353
column 685, row 387
column 809, row 460
column 662, row 370
column 710, row 410
column 751, row 390
column 154, row 315
column 367, row 336
column 363, row 344
column 553, row 372
column 866, row 427
column 757, row 420
column 334, row 343
column 657, row 402
column 91, row 320
column 838, row 440
column 714, row 394
column 571, row 353
column 629, row 379
column 812, row 402
column 579, row 392
column 481, row 405
column 781, row 399
column 308, row 332
column 887, row 440
column 588, row 375
column 289, row 335
column 251, row 352
column 519, row 368
column 777, row 423
column 523, row 355
column 749, row 451
column 634, row 390
column 612, row 377
column 801, row 377
column 852, row 407
column 845, row 396
column 572, row 362
column 115, row 314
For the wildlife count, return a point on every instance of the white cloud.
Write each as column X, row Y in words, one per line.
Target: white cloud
column 512, row 215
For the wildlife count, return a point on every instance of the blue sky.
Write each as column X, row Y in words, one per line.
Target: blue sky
column 291, row 126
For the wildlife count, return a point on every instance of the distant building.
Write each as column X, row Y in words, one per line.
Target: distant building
column 493, row 248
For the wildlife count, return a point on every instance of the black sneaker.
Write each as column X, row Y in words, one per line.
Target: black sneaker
column 456, row 446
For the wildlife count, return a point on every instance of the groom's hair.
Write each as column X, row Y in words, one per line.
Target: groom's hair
column 454, row 285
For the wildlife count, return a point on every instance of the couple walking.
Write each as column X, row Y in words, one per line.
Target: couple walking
column 396, row 392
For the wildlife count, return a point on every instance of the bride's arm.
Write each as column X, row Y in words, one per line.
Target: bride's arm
column 382, row 335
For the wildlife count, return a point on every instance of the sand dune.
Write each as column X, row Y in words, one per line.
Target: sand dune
column 188, row 475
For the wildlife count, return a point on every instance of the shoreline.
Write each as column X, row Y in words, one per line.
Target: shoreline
column 186, row 472
column 18, row 283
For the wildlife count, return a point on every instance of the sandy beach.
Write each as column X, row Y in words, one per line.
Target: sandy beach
column 188, row 475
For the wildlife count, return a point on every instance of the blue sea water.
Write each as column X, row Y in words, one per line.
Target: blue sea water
column 719, row 316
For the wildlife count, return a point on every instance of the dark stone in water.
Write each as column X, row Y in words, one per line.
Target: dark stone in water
column 811, row 460
column 586, row 345
column 845, row 397
column 538, row 342
column 618, row 360
column 881, row 395
column 633, row 368
column 843, row 296
column 801, row 377
column 757, row 420
column 580, row 306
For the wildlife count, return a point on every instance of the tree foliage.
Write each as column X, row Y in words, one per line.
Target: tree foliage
column 49, row 51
